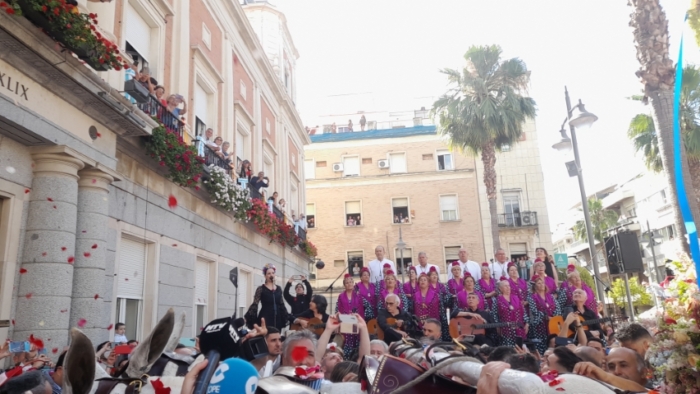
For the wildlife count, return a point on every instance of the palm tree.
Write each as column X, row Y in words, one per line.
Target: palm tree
column 643, row 133
column 484, row 109
column 601, row 220
column 651, row 39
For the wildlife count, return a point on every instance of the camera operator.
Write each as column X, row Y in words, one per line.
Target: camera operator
column 259, row 181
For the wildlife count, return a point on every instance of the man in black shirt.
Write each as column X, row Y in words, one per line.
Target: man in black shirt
column 259, row 181
column 401, row 327
column 300, row 301
column 479, row 317
column 573, row 321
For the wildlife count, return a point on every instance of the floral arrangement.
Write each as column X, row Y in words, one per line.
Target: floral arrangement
column 287, row 236
column 675, row 352
column 308, row 248
column 265, row 222
column 74, row 30
column 184, row 166
column 225, row 193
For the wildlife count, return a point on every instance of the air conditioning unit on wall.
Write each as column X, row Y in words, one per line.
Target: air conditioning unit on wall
column 338, row 167
column 383, row 163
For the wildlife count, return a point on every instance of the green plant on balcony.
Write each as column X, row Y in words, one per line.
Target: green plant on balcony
column 184, row 166
column 308, row 248
column 74, row 30
column 225, row 193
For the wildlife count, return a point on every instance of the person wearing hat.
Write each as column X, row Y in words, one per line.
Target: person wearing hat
column 302, row 297
column 350, row 302
column 461, row 300
column 410, row 287
column 455, row 284
column 269, row 296
column 517, row 284
column 487, row 285
column 542, row 306
column 389, row 285
column 508, row 308
column 539, row 271
column 367, row 291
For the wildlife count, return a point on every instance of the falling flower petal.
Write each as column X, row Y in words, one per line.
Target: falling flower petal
column 172, row 202
column 71, row 259
column 299, row 353
column 126, row 279
column 49, row 198
column 174, row 245
column 54, row 350
column 94, row 246
column 64, row 310
column 36, row 342
column 13, row 322
column 81, row 323
column 159, row 387
column 22, row 271
column 26, row 191
column 94, row 181
column 11, row 170
column 97, row 296
column 63, row 248
column 86, row 254
column 84, row 231
column 44, row 254
column 54, row 207
column 560, row 389
column 28, row 295
column 110, row 326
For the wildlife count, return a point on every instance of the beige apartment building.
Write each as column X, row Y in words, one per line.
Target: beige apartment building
column 363, row 188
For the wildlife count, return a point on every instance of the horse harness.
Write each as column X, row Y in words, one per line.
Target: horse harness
column 134, row 385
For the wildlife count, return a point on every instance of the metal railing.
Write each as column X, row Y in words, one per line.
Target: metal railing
column 153, row 107
column 520, row 219
column 255, row 192
column 300, row 232
column 211, row 158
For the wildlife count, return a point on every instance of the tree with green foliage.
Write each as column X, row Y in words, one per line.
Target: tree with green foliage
column 485, row 109
column 639, row 294
column 601, row 220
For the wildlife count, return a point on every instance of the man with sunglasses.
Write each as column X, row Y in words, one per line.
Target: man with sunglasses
column 402, row 326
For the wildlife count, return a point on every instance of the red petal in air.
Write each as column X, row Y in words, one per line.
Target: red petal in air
column 94, row 181
column 44, row 254
column 13, row 322
column 159, row 387
column 26, row 191
column 49, row 198
column 28, row 295
column 299, row 353
column 172, row 202
column 94, row 246
column 97, row 296
column 99, row 135
column 81, row 323
column 110, row 326
column 22, row 271
column 174, row 245
column 84, row 231
column 71, row 259
column 36, row 342
column 64, row 310
column 54, row 207
column 63, row 248
column 54, row 350
column 86, row 254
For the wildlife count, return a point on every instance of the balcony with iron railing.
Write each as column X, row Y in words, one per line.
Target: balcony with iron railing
column 519, row 219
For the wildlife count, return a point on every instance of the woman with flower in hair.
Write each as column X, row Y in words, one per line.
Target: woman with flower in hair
column 542, row 306
column 507, row 308
column 389, row 285
column 574, row 282
column 427, row 303
column 410, row 287
column 539, row 269
column 269, row 295
column 550, row 267
column 349, row 302
column 434, row 279
column 367, row 291
column 487, row 285
column 469, row 288
column 455, row 284
column 517, row 285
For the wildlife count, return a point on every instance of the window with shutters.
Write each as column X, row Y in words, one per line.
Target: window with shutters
column 244, row 299
column 448, row 207
column 242, row 143
column 351, row 166
column 201, row 293
column 139, row 38
column 202, row 100
column 311, row 215
column 130, row 283
column 399, row 210
column 309, row 169
column 353, row 213
column 451, row 255
column 397, row 162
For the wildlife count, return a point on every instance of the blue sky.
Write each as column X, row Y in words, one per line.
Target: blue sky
column 386, row 55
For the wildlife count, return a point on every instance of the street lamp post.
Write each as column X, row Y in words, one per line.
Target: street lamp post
column 401, row 245
column 653, row 239
column 581, row 120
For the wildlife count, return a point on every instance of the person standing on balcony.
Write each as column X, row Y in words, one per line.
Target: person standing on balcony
column 301, row 222
column 160, row 92
column 207, row 140
column 144, row 78
column 363, row 122
column 350, row 125
column 174, row 101
column 259, row 181
column 246, row 170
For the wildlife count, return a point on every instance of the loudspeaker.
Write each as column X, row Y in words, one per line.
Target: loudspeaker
column 623, row 253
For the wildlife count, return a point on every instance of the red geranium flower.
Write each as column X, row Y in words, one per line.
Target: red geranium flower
column 10, row 11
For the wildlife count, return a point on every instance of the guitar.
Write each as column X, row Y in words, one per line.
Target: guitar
column 465, row 326
column 556, row 322
column 374, row 329
column 315, row 325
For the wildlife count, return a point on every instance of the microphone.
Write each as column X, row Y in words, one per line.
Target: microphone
column 233, row 376
column 202, row 382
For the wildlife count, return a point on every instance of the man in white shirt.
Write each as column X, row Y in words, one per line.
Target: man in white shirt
column 467, row 265
column 500, row 266
column 376, row 266
column 423, row 267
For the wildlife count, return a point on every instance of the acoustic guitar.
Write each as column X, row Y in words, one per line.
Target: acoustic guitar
column 465, row 326
column 374, row 329
column 317, row 326
column 556, row 322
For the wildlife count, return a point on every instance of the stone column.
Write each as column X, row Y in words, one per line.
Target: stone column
column 90, row 250
column 45, row 288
